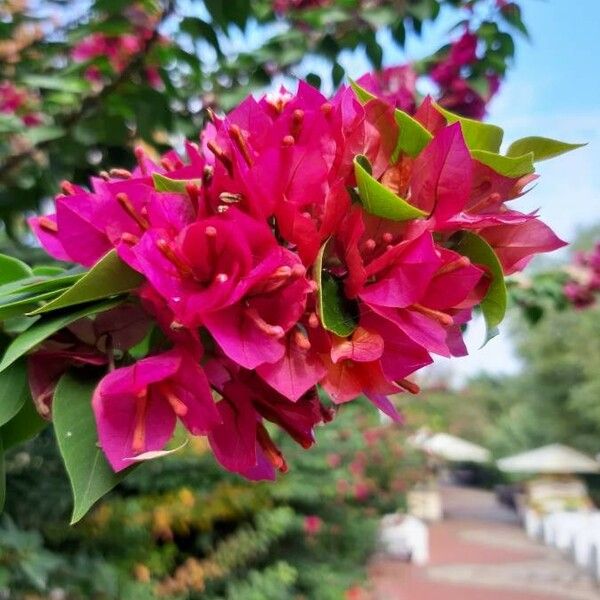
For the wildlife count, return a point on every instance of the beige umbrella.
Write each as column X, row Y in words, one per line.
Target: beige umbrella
column 452, row 448
column 553, row 459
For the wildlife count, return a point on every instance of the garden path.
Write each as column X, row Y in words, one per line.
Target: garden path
column 480, row 552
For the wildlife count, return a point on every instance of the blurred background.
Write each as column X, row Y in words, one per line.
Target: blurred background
column 450, row 504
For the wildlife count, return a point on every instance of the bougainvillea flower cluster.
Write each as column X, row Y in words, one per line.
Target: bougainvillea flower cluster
column 583, row 287
column 119, row 49
column 18, row 102
column 302, row 244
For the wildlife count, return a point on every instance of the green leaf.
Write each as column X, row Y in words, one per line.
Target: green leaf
column 493, row 306
column 89, row 472
column 2, row 477
column 108, row 277
column 26, row 424
column 379, row 200
column 197, row 28
column 12, row 269
column 413, row 136
column 20, row 304
column 14, row 391
column 362, row 94
column 509, row 166
column 165, row 184
column 338, row 314
column 43, row 133
column 478, row 135
column 48, row 326
column 38, row 285
column 57, row 82
column 542, row 148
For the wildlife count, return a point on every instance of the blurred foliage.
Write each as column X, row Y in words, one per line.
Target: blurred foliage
column 184, row 528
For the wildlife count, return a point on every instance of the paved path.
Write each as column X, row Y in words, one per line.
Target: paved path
column 479, row 552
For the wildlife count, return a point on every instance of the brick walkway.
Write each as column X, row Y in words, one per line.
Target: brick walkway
column 479, row 552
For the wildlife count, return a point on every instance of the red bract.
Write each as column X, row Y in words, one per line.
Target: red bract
column 270, row 269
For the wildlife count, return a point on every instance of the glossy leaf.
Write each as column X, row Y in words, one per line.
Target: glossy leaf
column 493, row 306
column 48, row 326
column 2, row 477
column 338, row 314
column 362, row 94
column 165, row 184
column 25, row 425
column 12, row 269
column 14, row 391
column 541, row 147
column 20, row 304
column 413, row 136
column 509, row 166
column 108, row 277
column 478, row 135
column 379, row 200
column 89, row 472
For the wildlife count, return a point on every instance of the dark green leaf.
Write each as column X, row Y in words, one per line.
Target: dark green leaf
column 108, row 277
column 542, row 148
column 57, row 82
column 89, row 472
column 14, row 391
column 379, row 200
column 12, row 269
column 2, row 477
column 47, row 327
column 338, row 314
column 26, row 424
column 481, row 253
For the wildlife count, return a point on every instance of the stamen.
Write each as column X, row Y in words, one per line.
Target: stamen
column 222, row 209
column 220, row 154
column 170, row 255
column 301, row 340
column 273, row 330
column 167, row 165
column 212, row 117
column 441, row 317
column 326, row 108
column 370, row 245
column 271, row 451
column 388, row 237
column 210, row 232
column 48, row 225
column 193, row 191
column 207, row 174
column 139, row 433
column 140, row 155
column 240, row 141
column 409, row 386
column 222, row 278
column 104, row 175
column 126, row 205
column 298, row 271
column 288, row 141
column 313, row 320
column 459, row 263
column 229, row 197
column 129, row 238
column 179, row 408
column 121, row 173
column 67, row 188
column 297, row 121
